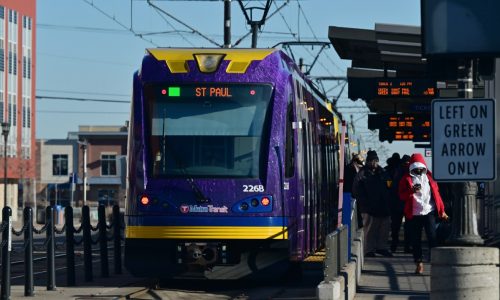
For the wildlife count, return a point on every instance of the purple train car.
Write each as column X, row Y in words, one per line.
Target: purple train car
column 232, row 164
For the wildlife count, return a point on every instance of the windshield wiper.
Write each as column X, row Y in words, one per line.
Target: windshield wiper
column 200, row 197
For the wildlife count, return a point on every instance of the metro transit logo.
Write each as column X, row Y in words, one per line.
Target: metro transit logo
column 203, row 209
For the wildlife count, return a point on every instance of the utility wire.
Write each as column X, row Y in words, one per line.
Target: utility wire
column 184, row 24
column 81, row 99
column 82, row 112
column 83, row 93
column 118, row 22
column 170, row 24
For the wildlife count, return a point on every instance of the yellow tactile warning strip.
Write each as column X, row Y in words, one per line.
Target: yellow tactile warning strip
column 316, row 257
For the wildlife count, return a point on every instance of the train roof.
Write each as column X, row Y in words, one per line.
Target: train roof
column 239, row 61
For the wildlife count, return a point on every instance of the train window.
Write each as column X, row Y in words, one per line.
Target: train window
column 208, row 130
column 290, row 142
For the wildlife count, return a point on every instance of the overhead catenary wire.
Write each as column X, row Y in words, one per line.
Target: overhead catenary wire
column 184, row 24
column 91, row 3
column 81, row 99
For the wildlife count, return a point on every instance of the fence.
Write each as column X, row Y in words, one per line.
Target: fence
column 73, row 237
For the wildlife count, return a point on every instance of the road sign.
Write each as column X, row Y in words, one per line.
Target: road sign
column 463, row 139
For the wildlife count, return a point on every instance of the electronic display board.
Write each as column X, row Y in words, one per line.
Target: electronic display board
column 401, row 127
column 371, row 88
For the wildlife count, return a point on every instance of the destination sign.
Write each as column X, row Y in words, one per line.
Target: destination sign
column 370, row 88
column 209, row 90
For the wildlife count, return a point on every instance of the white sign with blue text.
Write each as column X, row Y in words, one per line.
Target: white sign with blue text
column 463, row 139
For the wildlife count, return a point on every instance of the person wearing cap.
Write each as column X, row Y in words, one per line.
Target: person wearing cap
column 423, row 202
column 371, row 190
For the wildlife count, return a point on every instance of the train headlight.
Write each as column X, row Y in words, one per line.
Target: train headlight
column 265, row 201
column 144, row 200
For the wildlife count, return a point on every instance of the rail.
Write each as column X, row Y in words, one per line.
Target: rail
column 338, row 245
column 105, row 233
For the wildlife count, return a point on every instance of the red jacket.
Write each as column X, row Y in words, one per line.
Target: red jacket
column 406, row 191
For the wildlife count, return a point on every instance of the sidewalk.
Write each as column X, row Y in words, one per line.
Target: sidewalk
column 393, row 278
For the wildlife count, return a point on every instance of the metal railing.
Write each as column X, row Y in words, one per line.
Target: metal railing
column 72, row 238
column 338, row 245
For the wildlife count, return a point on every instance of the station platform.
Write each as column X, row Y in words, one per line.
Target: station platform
column 393, row 278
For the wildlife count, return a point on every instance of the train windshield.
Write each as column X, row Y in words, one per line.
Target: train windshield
column 207, row 130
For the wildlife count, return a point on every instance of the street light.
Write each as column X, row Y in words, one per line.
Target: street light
column 5, row 133
column 84, row 145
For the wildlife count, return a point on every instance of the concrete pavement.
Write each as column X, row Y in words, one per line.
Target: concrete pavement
column 393, row 278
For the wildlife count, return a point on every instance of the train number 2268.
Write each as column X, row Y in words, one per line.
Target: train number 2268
column 253, row 188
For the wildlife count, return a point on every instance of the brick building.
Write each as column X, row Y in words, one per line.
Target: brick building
column 17, row 99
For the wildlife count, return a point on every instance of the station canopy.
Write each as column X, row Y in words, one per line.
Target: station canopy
column 388, row 70
column 397, row 83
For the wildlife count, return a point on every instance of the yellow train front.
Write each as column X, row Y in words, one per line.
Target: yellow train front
column 232, row 164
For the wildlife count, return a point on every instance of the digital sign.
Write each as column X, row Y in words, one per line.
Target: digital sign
column 209, row 90
column 401, row 127
column 405, row 135
column 371, row 88
column 386, row 88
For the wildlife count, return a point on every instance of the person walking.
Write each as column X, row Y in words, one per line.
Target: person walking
column 397, row 208
column 423, row 202
column 350, row 172
column 370, row 189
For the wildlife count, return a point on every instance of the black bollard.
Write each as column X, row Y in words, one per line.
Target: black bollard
column 70, row 246
column 117, row 224
column 51, row 259
column 29, row 287
column 87, row 244
column 6, row 248
column 103, row 241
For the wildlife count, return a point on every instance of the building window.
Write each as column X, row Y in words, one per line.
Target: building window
column 107, row 197
column 108, row 165
column 59, row 164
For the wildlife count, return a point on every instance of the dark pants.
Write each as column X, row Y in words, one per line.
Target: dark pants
column 428, row 223
column 396, row 220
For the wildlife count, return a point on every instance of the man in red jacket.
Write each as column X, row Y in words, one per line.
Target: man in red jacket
column 422, row 203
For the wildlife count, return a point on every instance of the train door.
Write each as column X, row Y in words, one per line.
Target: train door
column 299, row 129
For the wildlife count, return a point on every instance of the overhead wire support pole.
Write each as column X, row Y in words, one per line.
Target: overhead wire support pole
column 227, row 23
column 255, row 24
column 270, row 16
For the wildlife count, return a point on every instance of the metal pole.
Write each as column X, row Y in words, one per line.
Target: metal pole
column 87, row 244
column 255, row 30
column 117, row 224
column 103, row 241
column 5, row 171
column 6, row 248
column 51, row 260
column 464, row 223
column 227, row 23
column 28, row 252
column 72, row 189
column 70, row 246
column 84, row 175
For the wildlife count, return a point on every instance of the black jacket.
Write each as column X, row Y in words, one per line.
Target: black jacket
column 371, row 190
